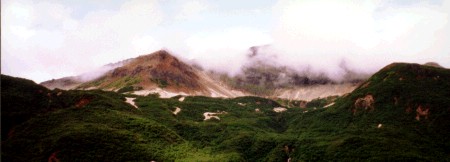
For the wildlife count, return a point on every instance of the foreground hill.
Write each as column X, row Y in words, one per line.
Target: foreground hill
column 400, row 113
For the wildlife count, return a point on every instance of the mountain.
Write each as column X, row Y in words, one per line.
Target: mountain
column 160, row 72
column 263, row 77
column 282, row 82
column 401, row 113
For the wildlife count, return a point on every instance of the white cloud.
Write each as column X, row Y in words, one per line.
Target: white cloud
column 44, row 36
column 225, row 51
column 190, row 9
column 365, row 34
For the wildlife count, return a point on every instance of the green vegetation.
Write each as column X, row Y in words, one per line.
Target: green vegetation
column 38, row 124
column 129, row 89
column 162, row 83
column 114, row 84
column 123, row 82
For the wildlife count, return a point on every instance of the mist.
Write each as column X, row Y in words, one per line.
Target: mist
column 50, row 39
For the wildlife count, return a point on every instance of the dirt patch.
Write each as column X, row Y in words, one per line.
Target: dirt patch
column 422, row 111
column 83, row 102
column 303, row 104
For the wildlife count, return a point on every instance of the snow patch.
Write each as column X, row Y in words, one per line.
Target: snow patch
column 177, row 110
column 331, row 104
column 279, row 109
column 181, row 99
column 131, row 101
column 209, row 115
column 241, row 104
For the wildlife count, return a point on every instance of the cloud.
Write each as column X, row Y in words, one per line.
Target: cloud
column 224, row 51
column 44, row 36
column 366, row 35
column 191, row 9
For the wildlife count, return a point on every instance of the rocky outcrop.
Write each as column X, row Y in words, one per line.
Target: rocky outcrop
column 366, row 103
column 422, row 111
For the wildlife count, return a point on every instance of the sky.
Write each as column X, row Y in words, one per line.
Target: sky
column 47, row 39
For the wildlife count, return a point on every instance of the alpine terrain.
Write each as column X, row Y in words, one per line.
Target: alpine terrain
column 401, row 113
column 160, row 72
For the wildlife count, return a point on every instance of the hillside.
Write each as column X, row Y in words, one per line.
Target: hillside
column 400, row 114
column 100, row 126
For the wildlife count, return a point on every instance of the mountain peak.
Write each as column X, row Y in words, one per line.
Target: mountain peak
column 159, row 69
column 162, row 55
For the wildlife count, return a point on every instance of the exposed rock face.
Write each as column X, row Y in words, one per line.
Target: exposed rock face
column 366, row 102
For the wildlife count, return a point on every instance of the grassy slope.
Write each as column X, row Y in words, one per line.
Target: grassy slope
column 108, row 129
column 337, row 133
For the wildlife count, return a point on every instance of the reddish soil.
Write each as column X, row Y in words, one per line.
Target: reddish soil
column 53, row 157
column 83, row 102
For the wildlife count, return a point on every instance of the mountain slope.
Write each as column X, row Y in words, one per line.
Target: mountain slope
column 150, row 71
column 162, row 73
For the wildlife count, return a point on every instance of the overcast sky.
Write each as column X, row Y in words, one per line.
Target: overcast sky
column 46, row 39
